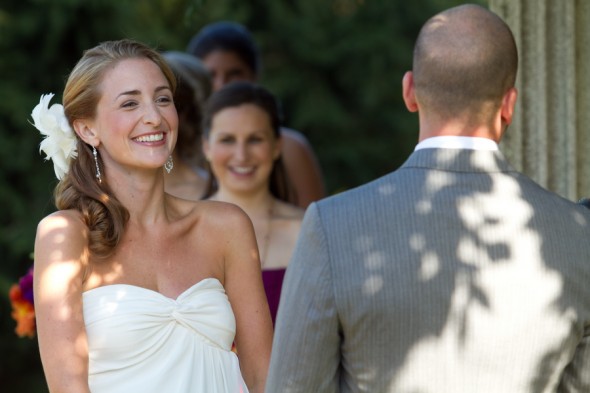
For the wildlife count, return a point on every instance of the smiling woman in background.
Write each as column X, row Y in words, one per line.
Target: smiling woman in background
column 228, row 51
column 243, row 147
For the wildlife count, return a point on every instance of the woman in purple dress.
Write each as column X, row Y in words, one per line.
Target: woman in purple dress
column 242, row 144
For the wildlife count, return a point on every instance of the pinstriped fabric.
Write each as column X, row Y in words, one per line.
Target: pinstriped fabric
column 454, row 273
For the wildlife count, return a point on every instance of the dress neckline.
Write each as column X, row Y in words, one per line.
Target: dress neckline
column 156, row 293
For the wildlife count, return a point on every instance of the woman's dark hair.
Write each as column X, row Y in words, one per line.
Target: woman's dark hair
column 226, row 36
column 236, row 94
column 192, row 90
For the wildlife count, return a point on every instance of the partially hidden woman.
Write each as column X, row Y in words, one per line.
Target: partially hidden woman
column 193, row 87
column 137, row 290
column 242, row 144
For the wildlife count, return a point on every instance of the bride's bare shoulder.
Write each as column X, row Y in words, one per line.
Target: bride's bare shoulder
column 62, row 221
column 223, row 215
column 61, row 236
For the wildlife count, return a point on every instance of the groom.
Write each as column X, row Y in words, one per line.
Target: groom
column 454, row 273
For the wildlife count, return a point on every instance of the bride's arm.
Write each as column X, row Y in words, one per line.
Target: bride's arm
column 243, row 284
column 60, row 247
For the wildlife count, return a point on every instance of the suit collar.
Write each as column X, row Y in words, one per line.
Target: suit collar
column 459, row 160
column 457, row 142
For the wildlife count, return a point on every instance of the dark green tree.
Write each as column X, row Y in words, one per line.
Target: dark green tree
column 336, row 65
column 40, row 41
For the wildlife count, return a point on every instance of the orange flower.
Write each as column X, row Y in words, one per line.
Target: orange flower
column 23, row 312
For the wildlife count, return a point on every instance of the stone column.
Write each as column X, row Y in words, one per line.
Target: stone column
column 549, row 139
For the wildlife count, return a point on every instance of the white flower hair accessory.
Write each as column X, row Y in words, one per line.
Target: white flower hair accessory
column 59, row 144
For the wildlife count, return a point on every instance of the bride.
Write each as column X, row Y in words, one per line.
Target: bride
column 136, row 290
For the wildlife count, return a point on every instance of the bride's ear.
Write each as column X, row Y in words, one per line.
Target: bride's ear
column 86, row 132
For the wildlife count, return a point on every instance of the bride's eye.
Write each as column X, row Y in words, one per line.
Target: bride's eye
column 128, row 104
column 164, row 100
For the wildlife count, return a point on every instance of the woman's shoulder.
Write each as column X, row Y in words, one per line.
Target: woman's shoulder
column 63, row 221
column 295, row 137
column 208, row 214
column 287, row 211
column 223, row 213
column 62, row 235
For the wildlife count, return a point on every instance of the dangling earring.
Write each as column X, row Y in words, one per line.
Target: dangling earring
column 169, row 164
column 95, row 154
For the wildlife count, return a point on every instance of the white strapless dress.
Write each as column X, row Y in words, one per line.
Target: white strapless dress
column 140, row 341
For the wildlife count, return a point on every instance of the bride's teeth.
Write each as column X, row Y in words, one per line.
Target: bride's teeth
column 150, row 138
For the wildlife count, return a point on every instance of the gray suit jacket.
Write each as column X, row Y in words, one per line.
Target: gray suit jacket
column 453, row 274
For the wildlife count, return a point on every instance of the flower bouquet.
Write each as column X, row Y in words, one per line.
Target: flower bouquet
column 23, row 308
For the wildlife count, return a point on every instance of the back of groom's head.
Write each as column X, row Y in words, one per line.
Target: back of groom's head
column 465, row 60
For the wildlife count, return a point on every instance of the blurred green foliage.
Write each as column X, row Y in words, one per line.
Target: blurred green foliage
column 336, row 65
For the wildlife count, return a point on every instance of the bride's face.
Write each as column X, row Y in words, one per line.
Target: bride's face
column 136, row 121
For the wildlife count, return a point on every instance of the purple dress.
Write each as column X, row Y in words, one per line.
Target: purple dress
column 273, row 281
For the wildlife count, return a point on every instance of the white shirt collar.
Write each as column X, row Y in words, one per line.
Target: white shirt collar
column 457, row 142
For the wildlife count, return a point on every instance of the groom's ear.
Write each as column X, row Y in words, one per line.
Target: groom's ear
column 86, row 131
column 408, row 92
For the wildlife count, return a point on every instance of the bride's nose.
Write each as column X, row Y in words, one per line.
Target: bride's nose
column 152, row 115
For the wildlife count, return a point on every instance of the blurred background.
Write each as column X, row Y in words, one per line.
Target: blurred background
column 336, row 66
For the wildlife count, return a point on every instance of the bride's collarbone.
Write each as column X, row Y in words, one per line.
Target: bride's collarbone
column 176, row 231
column 153, row 264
